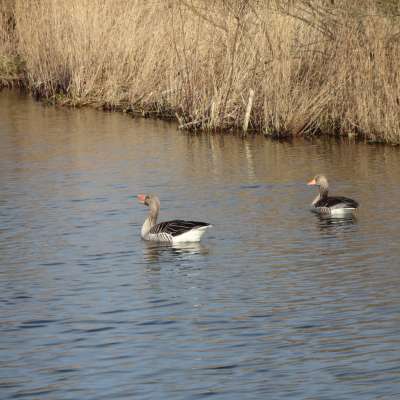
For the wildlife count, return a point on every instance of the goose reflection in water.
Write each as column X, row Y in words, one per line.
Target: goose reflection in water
column 333, row 224
column 165, row 252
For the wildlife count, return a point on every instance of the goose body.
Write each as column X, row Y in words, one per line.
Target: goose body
column 330, row 205
column 175, row 231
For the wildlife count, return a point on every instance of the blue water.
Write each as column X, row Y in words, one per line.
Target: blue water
column 274, row 303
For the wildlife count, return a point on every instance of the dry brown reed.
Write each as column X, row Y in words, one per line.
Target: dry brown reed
column 10, row 63
column 315, row 66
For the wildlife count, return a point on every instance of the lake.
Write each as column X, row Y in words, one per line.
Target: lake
column 274, row 303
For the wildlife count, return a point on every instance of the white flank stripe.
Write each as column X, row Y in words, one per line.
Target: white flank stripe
column 194, row 235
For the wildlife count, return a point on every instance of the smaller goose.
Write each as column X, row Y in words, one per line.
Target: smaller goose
column 176, row 231
column 330, row 205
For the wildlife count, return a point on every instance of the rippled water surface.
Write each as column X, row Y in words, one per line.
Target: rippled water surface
column 275, row 303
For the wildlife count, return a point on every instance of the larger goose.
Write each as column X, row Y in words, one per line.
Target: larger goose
column 330, row 205
column 176, row 231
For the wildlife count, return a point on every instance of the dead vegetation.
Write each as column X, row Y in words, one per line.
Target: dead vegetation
column 278, row 67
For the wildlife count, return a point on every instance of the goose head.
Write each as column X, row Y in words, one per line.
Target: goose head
column 319, row 180
column 150, row 201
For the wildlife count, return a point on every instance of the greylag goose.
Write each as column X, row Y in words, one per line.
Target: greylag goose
column 176, row 231
column 330, row 205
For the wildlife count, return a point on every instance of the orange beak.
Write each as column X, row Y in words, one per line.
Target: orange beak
column 312, row 182
column 141, row 198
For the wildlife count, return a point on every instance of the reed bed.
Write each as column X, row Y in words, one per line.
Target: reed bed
column 11, row 66
column 278, row 67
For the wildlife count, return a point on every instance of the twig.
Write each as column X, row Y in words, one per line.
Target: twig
column 248, row 111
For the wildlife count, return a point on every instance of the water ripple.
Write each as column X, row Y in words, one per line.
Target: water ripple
column 275, row 303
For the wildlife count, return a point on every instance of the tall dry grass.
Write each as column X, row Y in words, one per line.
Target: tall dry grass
column 315, row 66
column 11, row 65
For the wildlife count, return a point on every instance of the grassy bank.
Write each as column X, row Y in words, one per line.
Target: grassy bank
column 281, row 67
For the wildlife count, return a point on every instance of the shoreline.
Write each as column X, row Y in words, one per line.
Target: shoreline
column 20, row 86
column 256, row 68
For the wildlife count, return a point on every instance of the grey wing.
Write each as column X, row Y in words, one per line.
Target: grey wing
column 176, row 227
column 336, row 202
